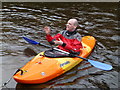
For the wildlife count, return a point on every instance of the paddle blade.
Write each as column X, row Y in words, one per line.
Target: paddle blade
column 30, row 41
column 100, row 65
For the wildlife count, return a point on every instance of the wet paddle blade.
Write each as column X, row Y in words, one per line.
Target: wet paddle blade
column 35, row 43
column 30, row 41
column 100, row 65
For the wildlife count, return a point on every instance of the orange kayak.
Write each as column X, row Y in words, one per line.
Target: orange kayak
column 42, row 69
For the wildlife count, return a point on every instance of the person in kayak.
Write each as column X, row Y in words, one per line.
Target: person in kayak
column 68, row 40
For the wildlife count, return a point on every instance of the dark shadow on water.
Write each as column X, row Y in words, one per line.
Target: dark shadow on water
column 29, row 52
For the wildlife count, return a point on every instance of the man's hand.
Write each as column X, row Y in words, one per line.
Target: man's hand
column 60, row 42
column 47, row 30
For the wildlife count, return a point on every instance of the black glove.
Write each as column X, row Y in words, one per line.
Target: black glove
column 73, row 54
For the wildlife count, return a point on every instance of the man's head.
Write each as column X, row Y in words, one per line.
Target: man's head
column 71, row 24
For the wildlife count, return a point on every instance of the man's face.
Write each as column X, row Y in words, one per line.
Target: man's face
column 70, row 25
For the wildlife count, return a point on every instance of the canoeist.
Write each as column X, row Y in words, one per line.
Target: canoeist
column 68, row 40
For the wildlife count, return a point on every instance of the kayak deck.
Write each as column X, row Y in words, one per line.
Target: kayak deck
column 42, row 69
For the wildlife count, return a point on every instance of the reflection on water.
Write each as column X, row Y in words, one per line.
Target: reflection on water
column 28, row 19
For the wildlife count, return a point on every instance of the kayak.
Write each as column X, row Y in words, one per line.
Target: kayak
column 42, row 69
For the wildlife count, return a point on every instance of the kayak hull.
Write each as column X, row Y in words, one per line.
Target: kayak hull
column 42, row 69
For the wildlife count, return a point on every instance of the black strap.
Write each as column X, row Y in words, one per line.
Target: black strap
column 18, row 71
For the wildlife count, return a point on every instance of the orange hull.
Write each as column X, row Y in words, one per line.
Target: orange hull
column 42, row 69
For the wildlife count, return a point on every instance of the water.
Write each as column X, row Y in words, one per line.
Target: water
column 28, row 19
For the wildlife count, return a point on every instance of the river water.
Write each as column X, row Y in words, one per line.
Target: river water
column 28, row 19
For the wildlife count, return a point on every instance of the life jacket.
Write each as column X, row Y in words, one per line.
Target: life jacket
column 71, row 41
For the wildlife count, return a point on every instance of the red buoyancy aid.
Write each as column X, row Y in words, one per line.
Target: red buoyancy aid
column 71, row 40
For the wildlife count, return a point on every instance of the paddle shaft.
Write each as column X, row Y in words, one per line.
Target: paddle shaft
column 97, row 64
column 44, row 45
column 69, row 53
column 62, row 51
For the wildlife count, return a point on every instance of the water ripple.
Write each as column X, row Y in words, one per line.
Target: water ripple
column 28, row 19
